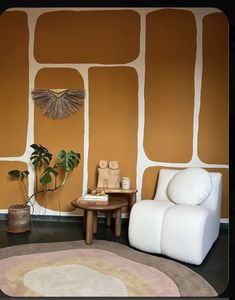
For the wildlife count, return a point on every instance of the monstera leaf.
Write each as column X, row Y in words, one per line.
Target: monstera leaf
column 18, row 174
column 40, row 155
column 46, row 175
column 68, row 160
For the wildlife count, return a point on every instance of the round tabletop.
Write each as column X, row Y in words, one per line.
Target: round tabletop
column 112, row 204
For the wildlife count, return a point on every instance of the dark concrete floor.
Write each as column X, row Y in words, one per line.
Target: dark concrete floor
column 214, row 268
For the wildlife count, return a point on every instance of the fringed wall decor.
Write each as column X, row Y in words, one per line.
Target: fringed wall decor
column 58, row 103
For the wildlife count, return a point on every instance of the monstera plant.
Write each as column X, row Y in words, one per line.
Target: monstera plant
column 46, row 181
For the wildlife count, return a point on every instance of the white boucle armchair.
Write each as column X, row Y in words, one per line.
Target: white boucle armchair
column 184, row 229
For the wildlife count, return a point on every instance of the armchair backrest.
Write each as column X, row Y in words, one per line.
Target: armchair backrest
column 213, row 201
column 164, row 178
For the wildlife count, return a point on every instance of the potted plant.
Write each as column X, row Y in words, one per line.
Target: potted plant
column 19, row 214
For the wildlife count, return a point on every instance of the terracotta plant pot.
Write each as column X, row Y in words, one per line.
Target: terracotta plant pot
column 18, row 218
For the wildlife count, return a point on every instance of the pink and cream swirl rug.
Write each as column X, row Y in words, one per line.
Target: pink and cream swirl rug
column 74, row 269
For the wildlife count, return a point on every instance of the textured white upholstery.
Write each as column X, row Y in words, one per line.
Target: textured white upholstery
column 146, row 224
column 163, row 180
column 181, row 231
column 183, row 190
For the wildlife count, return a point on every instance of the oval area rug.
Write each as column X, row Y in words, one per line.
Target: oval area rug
column 101, row 269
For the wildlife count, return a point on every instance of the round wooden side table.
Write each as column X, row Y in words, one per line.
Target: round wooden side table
column 90, row 215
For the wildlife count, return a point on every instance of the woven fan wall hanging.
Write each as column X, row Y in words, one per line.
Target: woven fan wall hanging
column 58, row 103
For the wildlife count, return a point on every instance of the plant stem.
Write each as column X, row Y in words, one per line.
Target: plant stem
column 36, row 178
column 25, row 189
column 55, row 181
column 50, row 190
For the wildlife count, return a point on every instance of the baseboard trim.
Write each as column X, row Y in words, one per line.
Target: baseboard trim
column 47, row 218
column 224, row 223
column 224, row 220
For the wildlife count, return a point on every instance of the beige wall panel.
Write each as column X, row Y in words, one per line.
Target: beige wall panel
column 13, row 82
column 64, row 134
column 169, row 85
column 150, row 179
column 87, row 37
column 12, row 191
column 113, row 113
column 213, row 122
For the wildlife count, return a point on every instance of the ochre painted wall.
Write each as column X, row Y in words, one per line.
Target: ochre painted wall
column 66, row 134
column 140, row 94
column 12, row 192
column 113, row 119
column 114, row 35
column 213, row 130
column 14, row 83
column 169, row 85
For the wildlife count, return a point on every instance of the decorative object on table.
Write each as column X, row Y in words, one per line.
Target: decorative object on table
column 183, row 218
column 58, row 103
column 108, row 174
column 114, row 175
column 96, row 197
column 103, row 174
column 19, row 215
column 91, row 270
column 98, row 192
column 126, row 183
column 93, row 199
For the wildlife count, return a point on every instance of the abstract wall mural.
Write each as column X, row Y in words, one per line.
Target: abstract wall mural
column 156, row 94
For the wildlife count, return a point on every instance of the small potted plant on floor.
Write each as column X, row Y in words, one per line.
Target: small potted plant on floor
column 19, row 214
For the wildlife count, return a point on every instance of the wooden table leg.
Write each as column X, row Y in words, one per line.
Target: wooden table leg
column 89, row 227
column 118, row 222
column 108, row 217
column 94, row 221
column 132, row 200
column 84, row 220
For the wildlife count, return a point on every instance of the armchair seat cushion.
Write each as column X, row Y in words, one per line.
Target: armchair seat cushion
column 186, row 233
column 145, row 224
